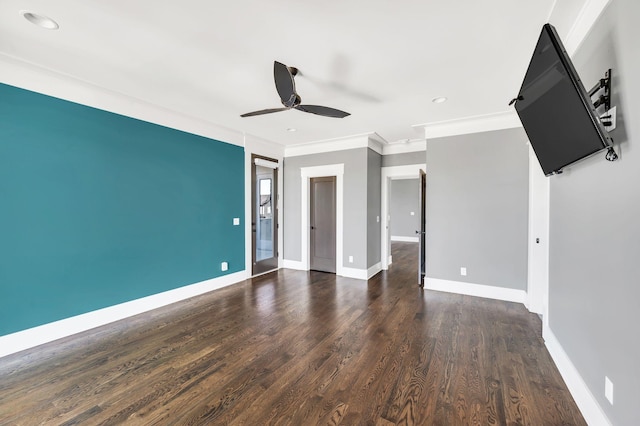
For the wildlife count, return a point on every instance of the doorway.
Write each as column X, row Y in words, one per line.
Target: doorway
column 306, row 174
column 264, row 214
column 411, row 171
column 422, row 250
column 322, row 209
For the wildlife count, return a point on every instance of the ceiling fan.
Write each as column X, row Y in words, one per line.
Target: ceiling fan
column 286, row 87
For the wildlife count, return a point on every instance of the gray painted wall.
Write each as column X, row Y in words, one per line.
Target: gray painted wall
column 403, row 159
column 374, row 205
column 594, row 294
column 477, row 208
column 355, row 200
column 405, row 198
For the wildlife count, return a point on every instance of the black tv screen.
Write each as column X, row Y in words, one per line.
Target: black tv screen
column 555, row 109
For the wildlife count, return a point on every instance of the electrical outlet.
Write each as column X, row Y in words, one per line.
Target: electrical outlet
column 377, row 218
column 608, row 389
column 224, row 266
column 236, row 221
column 463, row 271
column 413, row 213
column 350, row 259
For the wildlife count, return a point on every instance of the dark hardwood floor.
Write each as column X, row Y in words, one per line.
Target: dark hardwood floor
column 299, row 348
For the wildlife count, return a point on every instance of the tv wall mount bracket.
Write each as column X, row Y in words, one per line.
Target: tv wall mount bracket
column 605, row 98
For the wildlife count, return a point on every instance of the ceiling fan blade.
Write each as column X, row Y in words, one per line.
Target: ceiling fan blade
column 322, row 110
column 285, row 85
column 263, row 111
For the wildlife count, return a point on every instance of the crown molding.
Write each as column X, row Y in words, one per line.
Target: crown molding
column 365, row 140
column 29, row 76
column 588, row 16
column 475, row 124
column 256, row 145
column 401, row 148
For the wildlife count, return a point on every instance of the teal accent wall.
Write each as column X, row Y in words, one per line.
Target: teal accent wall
column 98, row 209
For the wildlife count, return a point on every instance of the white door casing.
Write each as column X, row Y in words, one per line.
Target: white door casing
column 306, row 173
column 538, row 273
column 411, row 171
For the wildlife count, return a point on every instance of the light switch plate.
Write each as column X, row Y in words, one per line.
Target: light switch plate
column 463, row 271
column 224, row 266
column 236, row 221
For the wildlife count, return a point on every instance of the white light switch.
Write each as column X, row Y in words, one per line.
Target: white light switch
column 377, row 218
column 413, row 213
column 224, row 266
column 236, row 221
column 350, row 259
column 463, row 271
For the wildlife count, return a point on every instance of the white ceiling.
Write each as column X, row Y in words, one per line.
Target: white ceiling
column 381, row 60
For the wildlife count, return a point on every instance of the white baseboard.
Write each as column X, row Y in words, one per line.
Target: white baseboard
column 293, row 264
column 359, row 274
column 262, row 273
column 374, row 270
column 21, row 340
column 404, row 239
column 587, row 403
column 479, row 290
column 389, row 262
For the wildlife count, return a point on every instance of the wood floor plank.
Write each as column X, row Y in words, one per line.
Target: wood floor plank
column 299, row 348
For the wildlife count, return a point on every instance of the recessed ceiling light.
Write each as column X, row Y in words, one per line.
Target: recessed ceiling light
column 439, row 100
column 40, row 20
column 291, row 129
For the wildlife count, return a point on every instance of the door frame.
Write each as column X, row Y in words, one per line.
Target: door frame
column 313, row 232
column 410, row 171
column 422, row 237
column 306, row 173
column 276, row 212
column 538, row 256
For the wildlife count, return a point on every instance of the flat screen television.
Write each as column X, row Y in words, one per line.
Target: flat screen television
column 555, row 109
